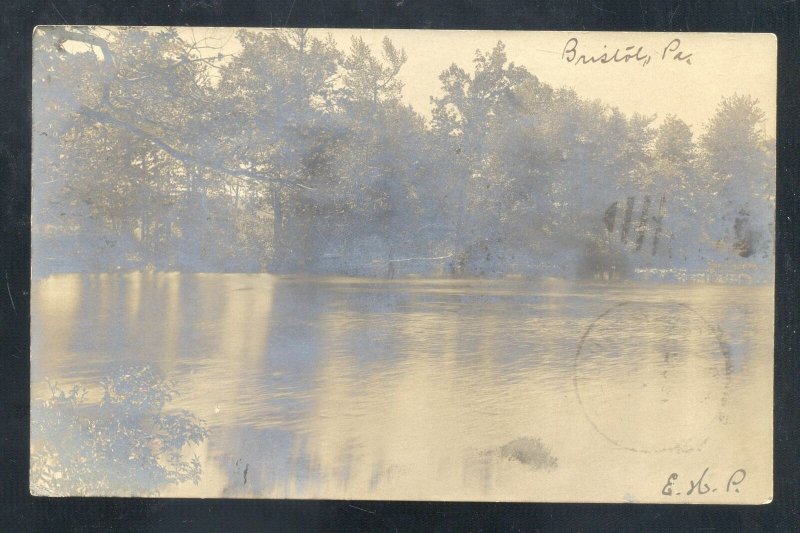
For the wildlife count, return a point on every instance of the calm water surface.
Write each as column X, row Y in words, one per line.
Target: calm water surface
column 414, row 389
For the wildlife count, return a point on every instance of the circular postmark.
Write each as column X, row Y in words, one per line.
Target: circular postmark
column 652, row 377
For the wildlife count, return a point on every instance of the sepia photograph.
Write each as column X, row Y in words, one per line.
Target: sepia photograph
column 420, row 265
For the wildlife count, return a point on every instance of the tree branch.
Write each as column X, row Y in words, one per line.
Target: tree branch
column 107, row 116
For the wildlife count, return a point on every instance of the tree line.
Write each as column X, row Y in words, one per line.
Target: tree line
column 157, row 150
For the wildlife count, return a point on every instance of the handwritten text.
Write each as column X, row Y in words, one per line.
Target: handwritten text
column 574, row 54
column 702, row 484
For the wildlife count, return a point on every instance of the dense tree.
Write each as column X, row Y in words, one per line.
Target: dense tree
column 154, row 148
column 461, row 116
column 736, row 156
column 281, row 90
column 683, row 193
column 124, row 161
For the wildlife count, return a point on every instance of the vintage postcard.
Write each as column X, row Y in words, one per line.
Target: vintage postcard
column 403, row 265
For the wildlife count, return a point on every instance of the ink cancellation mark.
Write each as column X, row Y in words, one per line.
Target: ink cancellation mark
column 652, row 377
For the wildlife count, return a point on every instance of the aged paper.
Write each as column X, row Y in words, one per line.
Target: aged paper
column 414, row 265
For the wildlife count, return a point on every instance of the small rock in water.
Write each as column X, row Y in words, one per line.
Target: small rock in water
column 529, row 451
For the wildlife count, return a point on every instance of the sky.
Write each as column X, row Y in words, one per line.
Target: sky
column 713, row 65
column 720, row 64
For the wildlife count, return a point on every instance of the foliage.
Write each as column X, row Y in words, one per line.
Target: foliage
column 125, row 444
column 153, row 148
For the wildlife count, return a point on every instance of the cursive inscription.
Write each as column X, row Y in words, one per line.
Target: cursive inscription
column 702, row 484
column 573, row 53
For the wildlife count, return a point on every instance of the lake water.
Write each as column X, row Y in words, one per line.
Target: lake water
column 434, row 389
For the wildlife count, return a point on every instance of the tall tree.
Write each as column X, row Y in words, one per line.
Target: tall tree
column 281, row 88
column 736, row 155
column 461, row 117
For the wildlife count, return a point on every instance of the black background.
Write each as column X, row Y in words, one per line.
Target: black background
column 21, row 512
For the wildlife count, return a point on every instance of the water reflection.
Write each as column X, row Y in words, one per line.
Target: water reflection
column 431, row 389
column 665, row 361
